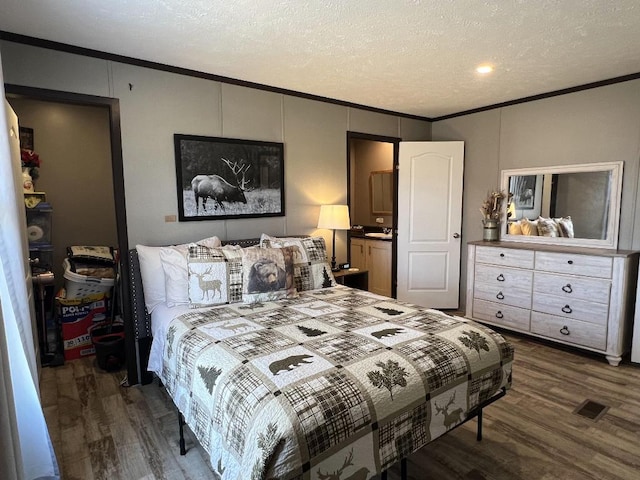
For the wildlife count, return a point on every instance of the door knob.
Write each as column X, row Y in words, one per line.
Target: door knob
column 456, row 235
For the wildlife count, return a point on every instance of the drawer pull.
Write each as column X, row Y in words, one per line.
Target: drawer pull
column 565, row 331
column 567, row 288
column 502, row 255
column 499, row 314
column 500, row 296
column 570, row 262
column 500, row 278
column 567, row 309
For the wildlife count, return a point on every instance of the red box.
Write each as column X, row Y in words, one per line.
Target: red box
column 76, row 338
column 77, row 316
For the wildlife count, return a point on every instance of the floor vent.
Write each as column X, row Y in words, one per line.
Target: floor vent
column 591, row 410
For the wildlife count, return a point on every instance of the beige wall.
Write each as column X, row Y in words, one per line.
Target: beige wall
column 597, row 125
column 73, row 143
column 154, row 105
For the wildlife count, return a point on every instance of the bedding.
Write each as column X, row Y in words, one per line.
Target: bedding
column 151, row 270
column 310, row 267
column 214, row 275
column 332, row 383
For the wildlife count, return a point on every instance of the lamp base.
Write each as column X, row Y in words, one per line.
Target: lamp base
column 335, row 269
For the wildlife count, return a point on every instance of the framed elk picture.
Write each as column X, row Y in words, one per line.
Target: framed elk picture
column 221, row 178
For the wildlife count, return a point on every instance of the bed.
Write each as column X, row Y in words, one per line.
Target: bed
column 326, row 383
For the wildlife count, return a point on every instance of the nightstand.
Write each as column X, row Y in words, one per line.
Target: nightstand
column 355, row 279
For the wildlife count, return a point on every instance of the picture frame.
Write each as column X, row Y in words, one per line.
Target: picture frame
column 225, row 178
column 26, row 138
column 524, row 191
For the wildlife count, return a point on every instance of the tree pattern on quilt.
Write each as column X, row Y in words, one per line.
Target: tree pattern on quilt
column 474, row 341
column 310, row 332
column 209, row 375
column 389, row 311
column 267, row 442
column 392, row 374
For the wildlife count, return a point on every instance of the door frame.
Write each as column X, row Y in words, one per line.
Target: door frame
column 117, row 169
column 396, row 151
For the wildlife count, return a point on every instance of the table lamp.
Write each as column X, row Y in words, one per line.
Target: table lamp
column 334, row 217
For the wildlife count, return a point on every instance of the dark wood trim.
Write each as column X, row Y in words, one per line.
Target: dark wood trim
column 64, row 47
column 396, row 151
column 555, row 93
column 113, row 105
column 87, row 52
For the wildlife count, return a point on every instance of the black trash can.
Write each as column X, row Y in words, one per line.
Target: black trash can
column 108, row 340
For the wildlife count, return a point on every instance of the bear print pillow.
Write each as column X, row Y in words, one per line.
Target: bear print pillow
column 267, row 274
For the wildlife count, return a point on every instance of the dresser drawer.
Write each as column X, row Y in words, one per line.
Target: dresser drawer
column 505, row 296
column 591, row 312
column 509, row 257
column 587, row 265
column 578, row 288
column 508, row 316
column 569, row 330
column 503, row 277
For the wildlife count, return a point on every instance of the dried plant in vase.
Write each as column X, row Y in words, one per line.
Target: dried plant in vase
column 491, row 208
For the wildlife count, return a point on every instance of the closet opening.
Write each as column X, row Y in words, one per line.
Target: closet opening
column 78, row 139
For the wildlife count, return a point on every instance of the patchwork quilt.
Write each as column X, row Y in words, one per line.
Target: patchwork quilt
column 337, row 383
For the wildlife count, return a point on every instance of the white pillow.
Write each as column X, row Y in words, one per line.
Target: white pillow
column 174, row 266
column 152, row 276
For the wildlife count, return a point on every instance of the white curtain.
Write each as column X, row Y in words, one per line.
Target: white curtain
column 25, row 446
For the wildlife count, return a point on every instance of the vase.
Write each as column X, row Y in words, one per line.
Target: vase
column 27, row 181
column 490, row 232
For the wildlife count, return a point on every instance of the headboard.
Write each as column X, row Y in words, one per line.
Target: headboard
column 141, row 318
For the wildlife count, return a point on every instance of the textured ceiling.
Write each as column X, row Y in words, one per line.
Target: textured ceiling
column 415, row 57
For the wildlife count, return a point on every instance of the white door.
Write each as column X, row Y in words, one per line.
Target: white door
column 14, row 143
column 429, row 223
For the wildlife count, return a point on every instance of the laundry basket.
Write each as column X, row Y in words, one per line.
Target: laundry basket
column 79, row 286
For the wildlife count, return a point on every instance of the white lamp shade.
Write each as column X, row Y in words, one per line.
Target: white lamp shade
column 334, row 217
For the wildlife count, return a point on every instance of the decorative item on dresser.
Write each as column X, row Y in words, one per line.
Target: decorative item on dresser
column 491, row 210
column 582, row 297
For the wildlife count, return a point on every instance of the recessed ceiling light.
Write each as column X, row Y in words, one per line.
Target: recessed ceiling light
column 484, row 69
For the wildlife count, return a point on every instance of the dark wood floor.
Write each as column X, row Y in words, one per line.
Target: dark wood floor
column 101, row 430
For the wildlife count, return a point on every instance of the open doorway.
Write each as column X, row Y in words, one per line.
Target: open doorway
column 74, row 177
column 371, row 195
column 111, row 174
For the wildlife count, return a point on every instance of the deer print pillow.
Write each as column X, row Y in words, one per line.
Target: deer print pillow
column 174, row 270
column 215, row 275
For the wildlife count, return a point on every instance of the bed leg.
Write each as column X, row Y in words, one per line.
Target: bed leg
column 183, row 450
column 479, row 436
column 403, row 469
column 383, row 475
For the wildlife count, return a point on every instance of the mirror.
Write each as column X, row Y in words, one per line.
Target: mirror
column 381, row 191
column 565, row 205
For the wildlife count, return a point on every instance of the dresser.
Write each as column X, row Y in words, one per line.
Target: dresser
column 582, row 297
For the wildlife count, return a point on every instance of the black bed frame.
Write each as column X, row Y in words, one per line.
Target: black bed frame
column 142, row 328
